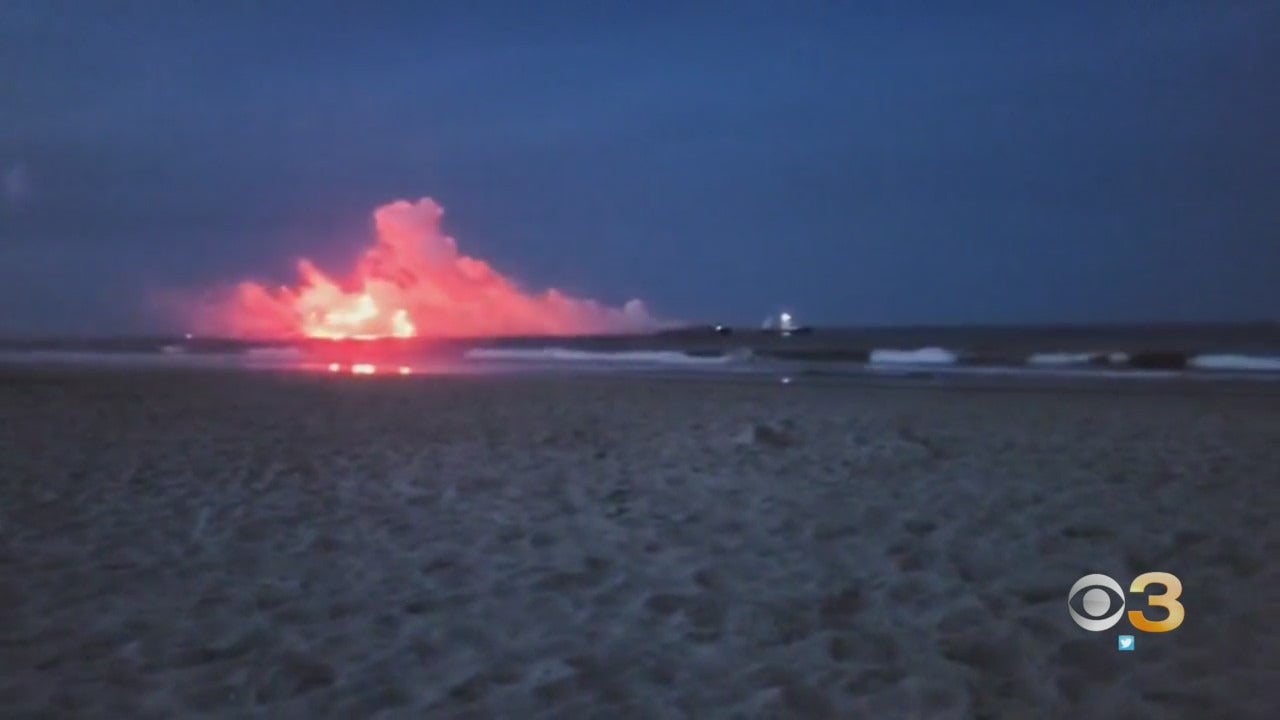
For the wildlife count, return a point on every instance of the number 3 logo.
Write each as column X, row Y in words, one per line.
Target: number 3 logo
column 1167, row 600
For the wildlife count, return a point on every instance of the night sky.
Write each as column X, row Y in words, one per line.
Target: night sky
column 859, row 162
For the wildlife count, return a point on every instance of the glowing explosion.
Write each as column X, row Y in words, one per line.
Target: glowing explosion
column 412, row 282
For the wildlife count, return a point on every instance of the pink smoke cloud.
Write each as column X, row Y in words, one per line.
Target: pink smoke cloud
column 412, row 282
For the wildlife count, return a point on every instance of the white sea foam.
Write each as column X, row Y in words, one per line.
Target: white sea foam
column 922, row 356
column 558, row 354
column 1060, row 359
column 1061, row 371
column 1235, row 362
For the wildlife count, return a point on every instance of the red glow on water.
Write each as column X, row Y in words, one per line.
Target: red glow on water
column 412, row 282
column 368, row 368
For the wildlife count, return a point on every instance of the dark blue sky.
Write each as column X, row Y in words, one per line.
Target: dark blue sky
column 861, row 162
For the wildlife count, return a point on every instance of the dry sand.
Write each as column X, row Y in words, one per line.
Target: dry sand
column 235, row 545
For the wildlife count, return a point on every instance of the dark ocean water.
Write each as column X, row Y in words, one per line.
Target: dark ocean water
column 1149, row 350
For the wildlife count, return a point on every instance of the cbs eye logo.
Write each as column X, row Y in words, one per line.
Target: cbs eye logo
column 1096, row 602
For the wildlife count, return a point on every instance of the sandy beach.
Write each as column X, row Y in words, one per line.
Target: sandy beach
column 190, row 544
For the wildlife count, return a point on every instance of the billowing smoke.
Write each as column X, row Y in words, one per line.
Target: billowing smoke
column 413, row 282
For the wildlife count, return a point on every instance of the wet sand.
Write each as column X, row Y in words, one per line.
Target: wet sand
column 178, row 544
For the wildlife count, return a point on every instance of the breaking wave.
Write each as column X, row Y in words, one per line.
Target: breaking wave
column 813, row 355
column 1235, row 362
column 1062, row 359
column 922, row 356
column 568, row 355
